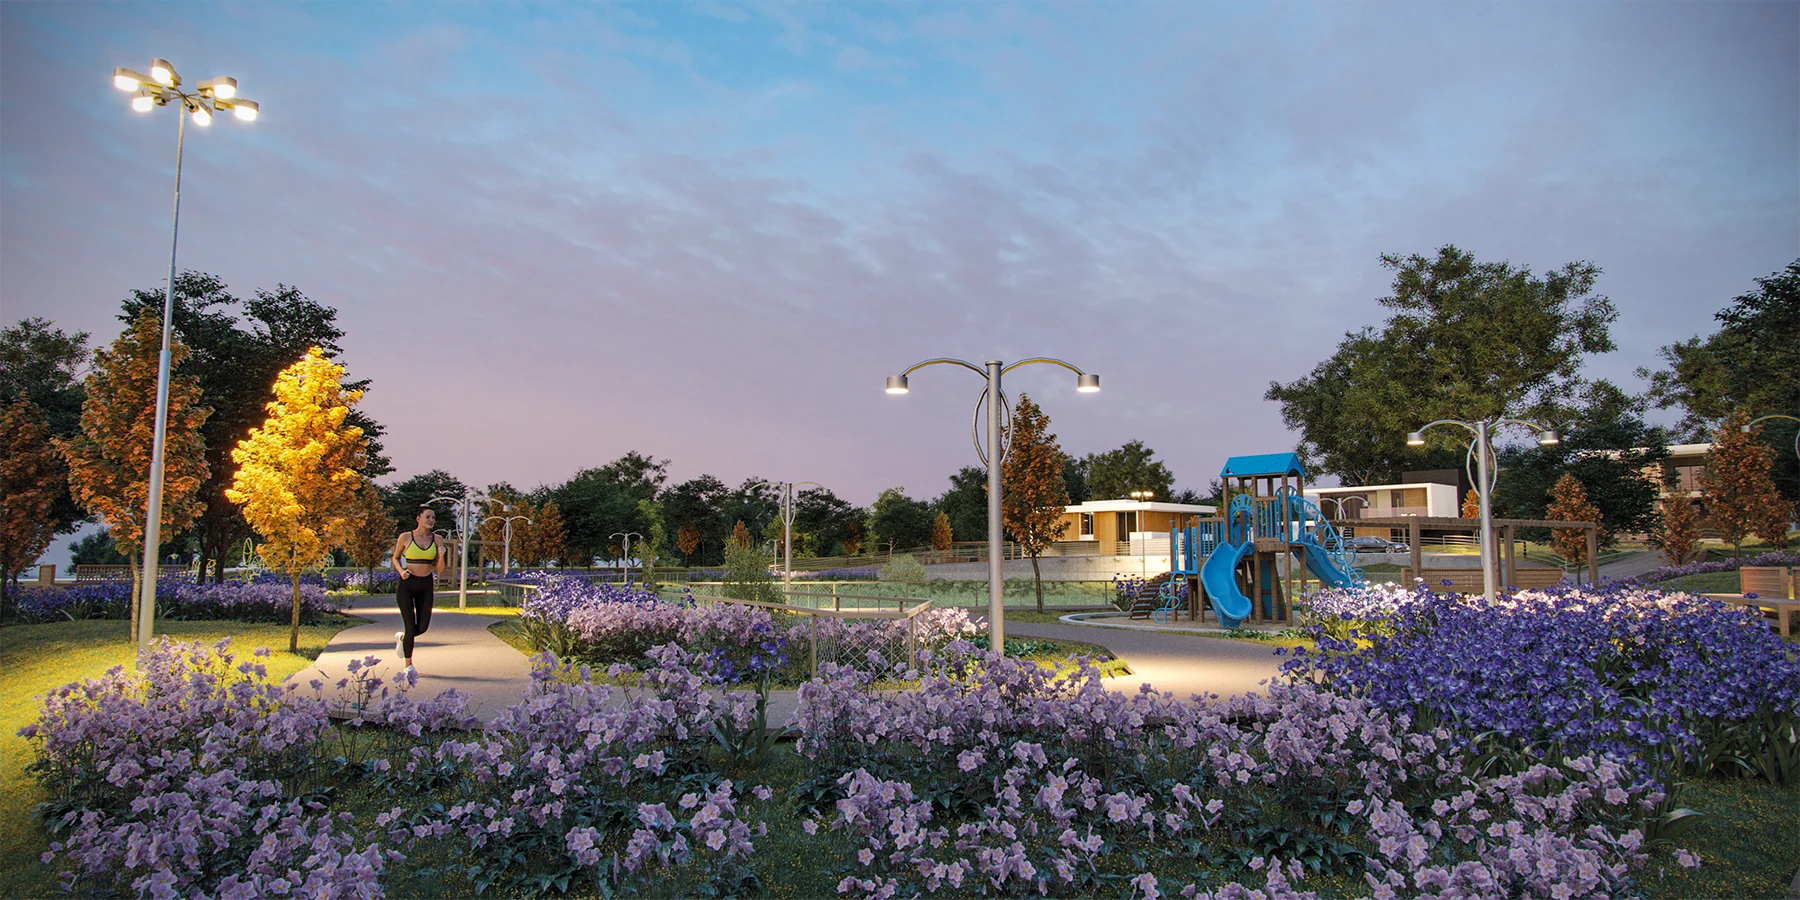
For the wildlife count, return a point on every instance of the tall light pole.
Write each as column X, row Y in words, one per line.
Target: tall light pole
column 1485, row 475
column 787, row 526
column 626, row 563
column 1759, row 419
column 464, row 516
column 160, row 88
column 995, row 454
column 506, row 540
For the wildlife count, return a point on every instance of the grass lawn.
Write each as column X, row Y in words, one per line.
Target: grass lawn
column 41, row 658
column 1704, row 583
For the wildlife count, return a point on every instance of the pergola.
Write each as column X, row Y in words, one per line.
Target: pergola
column 1504, row 530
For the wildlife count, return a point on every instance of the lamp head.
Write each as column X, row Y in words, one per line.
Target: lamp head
column 1549, row 438
column 1415, row 439
column 163, row 73
column 126, row 80
column 1087, row 383
column 896, row 384
column 1744, row 428
column 143, row 102
column 245, row 110
column 222, row 87
column 202, row 116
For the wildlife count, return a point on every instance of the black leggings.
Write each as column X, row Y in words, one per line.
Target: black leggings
column 414, row 595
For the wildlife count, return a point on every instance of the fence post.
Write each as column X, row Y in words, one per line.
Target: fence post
column 815, row 648
column 912, row 646
column 836, row 603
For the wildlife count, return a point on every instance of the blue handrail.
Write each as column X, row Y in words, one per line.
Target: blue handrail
column 1305, row 521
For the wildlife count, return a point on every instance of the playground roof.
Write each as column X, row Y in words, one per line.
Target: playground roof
column 1263, row 464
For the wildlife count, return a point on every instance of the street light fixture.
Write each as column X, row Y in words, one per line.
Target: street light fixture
column 1485, row 474
column 998, row 424
column 160, row 88
column 787, row 529
column 626, row 562
column 1758, row 419
column 506, row 540
column 464, row 516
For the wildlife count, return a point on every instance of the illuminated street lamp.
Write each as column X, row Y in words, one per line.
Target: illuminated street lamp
column 1485, row 474
column 506, row 540
column 160, row 88
column 999, row 422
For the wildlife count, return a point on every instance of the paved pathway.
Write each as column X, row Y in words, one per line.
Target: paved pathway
column 1181, row 664
column 456, row 652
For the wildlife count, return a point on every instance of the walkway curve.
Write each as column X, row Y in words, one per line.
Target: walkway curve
column 1175, row 663
column 456, row 652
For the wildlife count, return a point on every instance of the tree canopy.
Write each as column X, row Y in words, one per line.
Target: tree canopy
column 44, row 366
column 1113, row 475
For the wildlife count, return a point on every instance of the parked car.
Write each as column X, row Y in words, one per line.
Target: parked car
column 1372, row 544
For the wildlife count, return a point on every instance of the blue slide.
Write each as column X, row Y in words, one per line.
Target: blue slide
column 1219, row 576
column 1323, row 564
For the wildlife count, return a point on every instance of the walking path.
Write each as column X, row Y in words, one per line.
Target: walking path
column 459, row 652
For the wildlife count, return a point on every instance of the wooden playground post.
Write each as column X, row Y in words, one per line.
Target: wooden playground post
column 1512, row 565
column 1593, row 549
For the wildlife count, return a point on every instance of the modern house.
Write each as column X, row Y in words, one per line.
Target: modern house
column 1385, row 501
column 1118, row 522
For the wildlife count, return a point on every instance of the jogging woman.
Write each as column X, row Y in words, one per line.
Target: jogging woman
column 418, row 555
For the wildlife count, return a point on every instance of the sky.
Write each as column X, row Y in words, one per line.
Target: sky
column 555, row 233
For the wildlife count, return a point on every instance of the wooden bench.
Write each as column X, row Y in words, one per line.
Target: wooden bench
column 1774, row 590
column 1468, row 581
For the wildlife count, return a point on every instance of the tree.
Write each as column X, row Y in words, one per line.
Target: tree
column 1569, row 503
column 1740, row 495
column 42, row 365
column 1033, row 493
column 31, row 477
column 1752, row 364
column 109, row 460
column 96, row 549
column 965, row 504
column 548, row 538
column 238, row 347
column 941, row 536
column 1471, row 505
column 1609, row 450
column 826, row 524
column 1113, row 475
column 598, row 502
column 299, row 473
column 1677, row 532
column 405, row 498
column 900, row 521
column 740, row 536
column 1074, row 479
column 696, row 504
column 687, row 540
column 1465, row 340
column 655, row 540
column 369, row 531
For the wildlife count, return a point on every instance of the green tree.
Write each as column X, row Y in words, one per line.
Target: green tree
column 965, row 504
column 1074, row 479
column 900, row 521
column 1033, row 493
column 1113, row 475
column 1464, row 340
column 405, row 498
column 597, row 502
column 109, row 460
column 44, row 366
column 1751, row 364
column 696, row 505
column 828, row 523
column 96, row 549
column 1610, row 449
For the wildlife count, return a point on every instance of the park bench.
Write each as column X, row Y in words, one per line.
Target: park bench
column 1773, row 587
column 1468, row 581
column 102, row 573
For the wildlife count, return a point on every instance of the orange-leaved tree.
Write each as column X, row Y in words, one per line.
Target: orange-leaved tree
column 687, row 540
column 109, row 461
column 1471, row 507
column 941, row 537
column 1569, row 503
column 1677, row 530
column 1033, row 493
column 368, row 532
column 31, row 476
column 299, row 472
column 548, row 533
column 1741, row 496
column 740, row 535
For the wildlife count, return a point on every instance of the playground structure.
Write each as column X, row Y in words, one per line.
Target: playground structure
column 1246, row 563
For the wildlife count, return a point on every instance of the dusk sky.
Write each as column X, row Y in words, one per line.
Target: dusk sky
column 558, row 232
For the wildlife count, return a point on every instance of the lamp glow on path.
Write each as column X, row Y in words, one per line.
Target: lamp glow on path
column 161, row 88
column 998, row 425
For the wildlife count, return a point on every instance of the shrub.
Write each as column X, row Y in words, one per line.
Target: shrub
column 905, row 569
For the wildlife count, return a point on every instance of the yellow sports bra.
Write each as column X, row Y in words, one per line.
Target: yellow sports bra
column 417, row 554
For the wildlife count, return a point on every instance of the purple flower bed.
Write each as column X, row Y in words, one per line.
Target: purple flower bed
column 177, row 599
column 1655, row 576
column 1666, row 683
column 199, row 777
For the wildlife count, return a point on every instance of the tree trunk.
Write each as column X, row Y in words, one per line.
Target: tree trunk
column 137, row 576
column 294, row 634
column 1038, row 580
column 369, row 581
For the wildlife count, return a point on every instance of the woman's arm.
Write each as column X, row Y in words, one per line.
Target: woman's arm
column 395, row 558
column 442, row 554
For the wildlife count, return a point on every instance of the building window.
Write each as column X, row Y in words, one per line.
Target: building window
column 1087, row 525
column 1127, row 524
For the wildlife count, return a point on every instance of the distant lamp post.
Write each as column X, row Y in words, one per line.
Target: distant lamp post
column 999, row 417
column 506, row 540
column 1484, row 476
column 1748, row 425
column 464, row 517
column 626, row 562
column 160, row 88
column 787, row 529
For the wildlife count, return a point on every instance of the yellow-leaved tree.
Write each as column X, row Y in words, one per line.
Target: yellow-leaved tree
column 109, row 461
column 299, row 473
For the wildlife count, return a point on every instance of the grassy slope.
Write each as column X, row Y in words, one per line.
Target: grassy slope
column 41, row 658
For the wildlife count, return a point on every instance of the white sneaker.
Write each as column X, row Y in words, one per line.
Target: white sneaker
column 399, row 642
column 409, row 671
